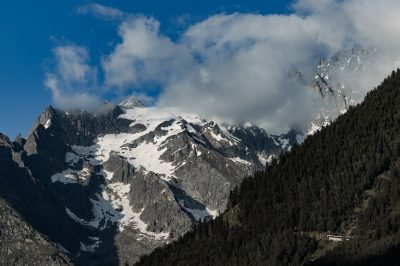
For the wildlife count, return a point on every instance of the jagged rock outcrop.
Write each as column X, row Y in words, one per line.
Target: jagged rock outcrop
column 20, row 244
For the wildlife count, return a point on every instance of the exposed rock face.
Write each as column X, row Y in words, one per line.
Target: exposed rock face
column 28, row 196
column 123, row 171
column 112, row 185
column 20, row 244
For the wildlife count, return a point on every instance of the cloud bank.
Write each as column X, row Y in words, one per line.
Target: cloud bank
column 236, row 66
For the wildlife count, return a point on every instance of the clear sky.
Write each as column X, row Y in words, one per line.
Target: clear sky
column 30, row 30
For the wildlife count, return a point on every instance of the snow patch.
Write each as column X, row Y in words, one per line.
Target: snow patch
column 284, row 143
column 239, row 160
column 71, row 176
column 90, row 248
column 191, row 129
column 216, row 137
column 142, row 227
column 65, row 177
column 199, row 214
column 213, row 213
column 313, row 129
column 262, row 159
column 270, row 158
column 146, row 154
column 48, row 124
column 226, row 132
column 119, row 198
column 107, row 175
column 71, row 158
column 75, row 217
column 225, row 136
column 103, row 213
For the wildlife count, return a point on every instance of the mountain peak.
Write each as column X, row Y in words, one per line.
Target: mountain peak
column 4, row 139
column 131, row 102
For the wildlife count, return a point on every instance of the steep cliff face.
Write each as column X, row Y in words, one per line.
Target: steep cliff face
column 20, row 243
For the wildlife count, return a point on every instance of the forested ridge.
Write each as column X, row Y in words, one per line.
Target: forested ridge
column 344, row 181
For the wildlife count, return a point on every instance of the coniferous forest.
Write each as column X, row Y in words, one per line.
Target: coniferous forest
column 344, row 182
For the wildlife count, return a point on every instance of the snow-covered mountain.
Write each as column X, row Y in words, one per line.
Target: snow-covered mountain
column 332, row 83
column 118, row 182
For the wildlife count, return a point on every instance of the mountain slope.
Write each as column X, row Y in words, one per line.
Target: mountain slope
column 112, row 185
column 317, row 196
column 20, row 244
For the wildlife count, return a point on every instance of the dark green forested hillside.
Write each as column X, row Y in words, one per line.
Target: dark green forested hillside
column 344, row 180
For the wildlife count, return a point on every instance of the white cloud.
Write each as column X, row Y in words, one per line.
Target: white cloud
column 103, row 12
column 143, row 56
column 72, row 62
column 239, row 74
column 236, row 66
column 73, row 81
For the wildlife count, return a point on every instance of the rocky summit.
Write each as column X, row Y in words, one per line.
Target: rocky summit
column 108, row 186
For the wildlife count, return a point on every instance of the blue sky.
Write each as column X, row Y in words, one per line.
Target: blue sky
column 30, row 30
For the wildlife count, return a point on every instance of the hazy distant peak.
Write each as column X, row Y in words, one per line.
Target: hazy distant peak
column 131, row 102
